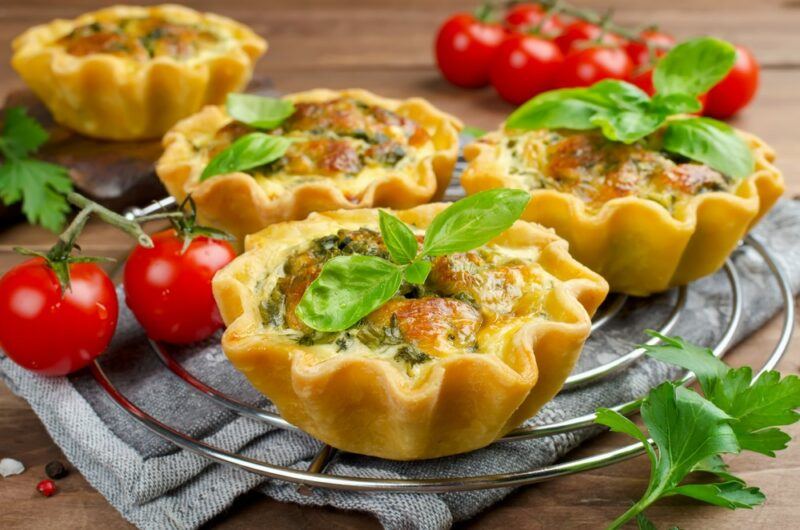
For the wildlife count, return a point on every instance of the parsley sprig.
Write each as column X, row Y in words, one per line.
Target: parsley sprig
column 625, row 113
column 40, row 186
column 351, row 287
column 690, row 432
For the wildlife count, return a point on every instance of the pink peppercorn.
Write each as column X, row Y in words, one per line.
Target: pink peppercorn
column 46, row 487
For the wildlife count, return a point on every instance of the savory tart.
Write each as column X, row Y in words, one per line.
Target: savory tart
column 645, row 219
column 350, row 149
column 441, row 368
column 127, row 72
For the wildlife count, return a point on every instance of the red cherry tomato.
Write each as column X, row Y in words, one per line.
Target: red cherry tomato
column 639, row 52
column 51, row 334
column 583, row 32
column 169, row 291
column 525, row 66
column 525, row 17
column 736, row 90
column 644, row 80
column 587, row 66
column 464, row 49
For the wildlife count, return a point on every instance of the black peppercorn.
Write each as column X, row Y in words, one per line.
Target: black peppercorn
column 55, row 469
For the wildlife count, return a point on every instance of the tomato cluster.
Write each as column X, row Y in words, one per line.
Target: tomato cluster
column 532, row 50
column 56, row 332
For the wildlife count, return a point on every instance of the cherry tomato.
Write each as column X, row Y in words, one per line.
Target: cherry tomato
column 525, row 17
column 736, row 90
column 169, row 291
column 464, row 49
column 584, row 32
column 644, row 80
column 585, row 67
column 640, row 53
column 51, row 334
column 525, row 66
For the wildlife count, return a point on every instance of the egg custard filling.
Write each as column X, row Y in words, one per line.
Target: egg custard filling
column 344, row 140
column 596, row 170
column 143, row 38
column 465, row 296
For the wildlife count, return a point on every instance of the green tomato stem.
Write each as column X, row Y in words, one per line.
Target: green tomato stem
column 587, row 15
column 88, row 207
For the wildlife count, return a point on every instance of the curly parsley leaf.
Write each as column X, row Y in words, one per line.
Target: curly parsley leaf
column 730, row 495
column 690, row 432
column 40, row 186
column 679, row 352
column 757, row 407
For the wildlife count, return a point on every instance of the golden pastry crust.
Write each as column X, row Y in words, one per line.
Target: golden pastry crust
column 638, row 245
column 242, row 204
column 121, row 96
column 451, row 403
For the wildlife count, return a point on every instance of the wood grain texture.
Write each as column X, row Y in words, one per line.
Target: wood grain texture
column 386, row 46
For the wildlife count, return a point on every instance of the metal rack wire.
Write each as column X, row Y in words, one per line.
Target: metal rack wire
column 315, row 474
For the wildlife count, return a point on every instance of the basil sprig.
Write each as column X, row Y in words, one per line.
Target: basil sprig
column 625, row 113
column 257, row 148
column 249, row 151
column 258, row 111
column 351, row 287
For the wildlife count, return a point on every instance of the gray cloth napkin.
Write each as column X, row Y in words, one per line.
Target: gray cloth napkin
column 155, row 485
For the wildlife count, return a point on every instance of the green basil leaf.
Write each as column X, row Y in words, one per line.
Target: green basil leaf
column 694, row 67
column 624, row 95
column 258, row 111
column 711, row 142
column 475, row 132
column 569, row 108
column 348, row 289
column 676, row 104
column 399, row 238
column 627, row 126
column 474, row 221
column 249, row 151
column 418, row 272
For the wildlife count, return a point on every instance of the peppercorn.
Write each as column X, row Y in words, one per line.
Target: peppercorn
column 46, row 487
column 56, row 470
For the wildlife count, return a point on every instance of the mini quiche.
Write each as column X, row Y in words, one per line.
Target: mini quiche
column 126, row 73
column 442, row 368
column 644, row 219
column 350, row 149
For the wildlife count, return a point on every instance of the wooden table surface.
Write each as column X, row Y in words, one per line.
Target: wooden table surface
column 385, row 46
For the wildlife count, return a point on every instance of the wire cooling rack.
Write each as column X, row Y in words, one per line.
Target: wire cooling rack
column 315, row 474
